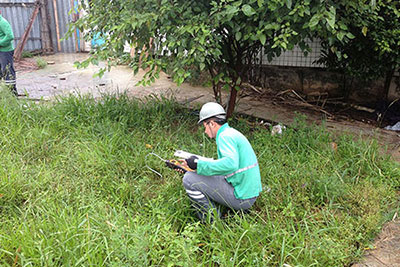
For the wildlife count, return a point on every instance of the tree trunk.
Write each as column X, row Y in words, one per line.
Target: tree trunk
column 386, row 86
column 231, row 102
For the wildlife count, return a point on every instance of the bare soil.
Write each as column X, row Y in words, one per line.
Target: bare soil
column 60, row 77
column 386, row 249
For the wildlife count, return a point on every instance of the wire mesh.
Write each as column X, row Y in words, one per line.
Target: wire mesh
column 296, row 58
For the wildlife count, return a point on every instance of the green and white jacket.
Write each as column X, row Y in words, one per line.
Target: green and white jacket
column 6, row 36
column 236, row 161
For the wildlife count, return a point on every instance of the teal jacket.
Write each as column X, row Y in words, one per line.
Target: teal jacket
column 236, row 161
column 6, row 36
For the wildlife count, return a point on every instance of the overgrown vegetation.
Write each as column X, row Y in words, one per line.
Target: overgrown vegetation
column 27, row 54
column 75, row 190
column 41, row 63
column 225, row 38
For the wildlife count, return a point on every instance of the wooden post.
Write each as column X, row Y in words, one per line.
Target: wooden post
column 45, row 28
column 57, row 25
column 24, row 38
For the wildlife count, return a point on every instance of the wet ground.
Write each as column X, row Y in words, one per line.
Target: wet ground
column 60, row 77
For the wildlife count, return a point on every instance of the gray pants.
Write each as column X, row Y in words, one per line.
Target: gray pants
column 206, row 192
column 7, row 72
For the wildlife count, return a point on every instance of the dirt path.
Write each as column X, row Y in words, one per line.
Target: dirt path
column 386, row 249
column 63, row 78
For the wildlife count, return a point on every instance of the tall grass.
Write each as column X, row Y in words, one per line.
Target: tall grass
column 75, row 190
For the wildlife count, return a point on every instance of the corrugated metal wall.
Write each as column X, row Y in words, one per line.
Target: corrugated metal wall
column 19, row 12
column 64, row 18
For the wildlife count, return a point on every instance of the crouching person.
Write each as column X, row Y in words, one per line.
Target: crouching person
column 233, row 180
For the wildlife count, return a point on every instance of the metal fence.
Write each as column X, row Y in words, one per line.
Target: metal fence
column 296, row 58
column 19, row 13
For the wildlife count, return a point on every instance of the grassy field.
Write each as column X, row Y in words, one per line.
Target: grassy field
column 75, row 190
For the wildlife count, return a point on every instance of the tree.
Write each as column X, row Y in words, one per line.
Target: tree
column 224, row 37
column 374, row 49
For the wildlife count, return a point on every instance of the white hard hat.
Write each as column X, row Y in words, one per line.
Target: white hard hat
column 211, row 109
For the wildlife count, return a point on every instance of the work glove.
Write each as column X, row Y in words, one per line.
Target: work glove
column 192, row 162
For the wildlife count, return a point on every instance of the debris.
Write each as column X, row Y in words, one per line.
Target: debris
column 189, row 100
column 277, row 129
column 299, row 101
column 334, row 146
column 149, row 146
column 257, row 90
column 63, row 78
column 51, row 62
column 266, row 124
column 395, row 127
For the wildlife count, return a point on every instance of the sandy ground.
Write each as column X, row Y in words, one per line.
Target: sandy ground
column 61, row 78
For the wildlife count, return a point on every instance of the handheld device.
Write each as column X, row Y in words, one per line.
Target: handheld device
column 176, row 165
column 171, row 163
column 185, row 155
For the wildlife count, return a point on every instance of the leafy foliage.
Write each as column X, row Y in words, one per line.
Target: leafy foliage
column 223, row 37
column 373, row 50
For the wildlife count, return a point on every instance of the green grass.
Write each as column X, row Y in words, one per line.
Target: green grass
column 41, row 63
column 75, row 190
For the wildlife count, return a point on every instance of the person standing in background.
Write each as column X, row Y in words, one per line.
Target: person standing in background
column 7, row 71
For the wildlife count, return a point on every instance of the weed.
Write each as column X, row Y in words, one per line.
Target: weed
column 41, row 63
column 27, row 54
column 74, row 190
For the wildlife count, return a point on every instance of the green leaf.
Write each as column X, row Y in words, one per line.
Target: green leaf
column 263, row 39
column 238, row 36
column 289, row 3
column 239, row 80
column 364, row 30
column 248, row 10
column 314, row 21
column 350, row 35
column 331, row 19
column 260, row 3
column 331, row 22
column 373, row 3
column 340, row 35
column 202, row 66
column 231, row 10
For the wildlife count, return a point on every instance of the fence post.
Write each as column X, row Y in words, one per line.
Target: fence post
column 45, row 28
column 21, row 43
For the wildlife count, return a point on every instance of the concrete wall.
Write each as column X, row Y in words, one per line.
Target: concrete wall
column 311, row 80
